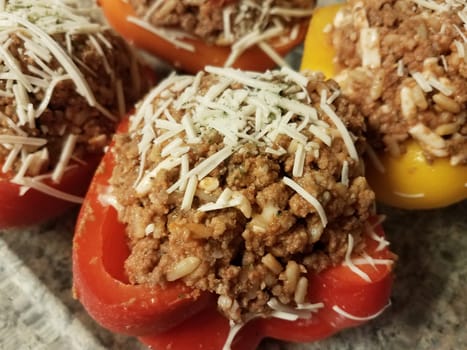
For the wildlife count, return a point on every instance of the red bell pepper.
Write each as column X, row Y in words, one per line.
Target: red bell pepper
column 117, row 12
column 34, row 206
column 177, row 317
column 99, row 250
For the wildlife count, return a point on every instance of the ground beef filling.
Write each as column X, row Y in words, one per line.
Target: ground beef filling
column 68, row 112
column 415, row 86
column 263, row 247
column 205, row 18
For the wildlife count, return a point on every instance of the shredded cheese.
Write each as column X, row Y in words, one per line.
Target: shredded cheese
column 65, row 156
column 59, row 53
column 22, row 140
column 345, row 173
column 340, row 126
column 175, row 37
column 233, row 331
column 189, row 193
column 34, row 26
column 266, row 113
column 440, row 86
column 205, row 167
column 345, row 314
column 308, row 197
column 288, row 313
column 382, row 242
column 432, row 5
column 278, row 59
column 281, row 311
column 368, row 260
column 11, row 158
column 29, row 182
column 348, row 261
column 299, row 162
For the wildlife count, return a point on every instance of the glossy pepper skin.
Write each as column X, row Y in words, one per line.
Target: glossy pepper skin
column 409, row 181
column 99, row 282
column 204, row 55
column 34, row 207
column 178, row 317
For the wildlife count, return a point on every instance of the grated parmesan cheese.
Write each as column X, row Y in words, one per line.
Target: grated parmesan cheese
column 309, row 198
column 278, row 59
column 266, row 115
column 234, row 328
column 189, row 193
column 345, row 314
column 29, row 182
column 22, row 140
column 348, row 261
column 65, row 156
column 345, row 173
column 34, row 25
column 174, row 37
column 288, row 313
column 299, row 162
column 340, row 126
column 431, row 5
column 368, row 260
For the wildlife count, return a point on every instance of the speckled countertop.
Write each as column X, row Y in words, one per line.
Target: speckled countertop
column 429, row 301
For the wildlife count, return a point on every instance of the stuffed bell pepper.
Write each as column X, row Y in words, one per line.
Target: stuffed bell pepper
column 252, row 35
column 65, row 82
column 404, row 64
column 232, row 207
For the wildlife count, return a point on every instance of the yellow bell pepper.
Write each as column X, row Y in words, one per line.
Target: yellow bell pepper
column 409, row 181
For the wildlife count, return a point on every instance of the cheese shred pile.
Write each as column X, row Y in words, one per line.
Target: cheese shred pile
column 38, row 53
column 269, row 105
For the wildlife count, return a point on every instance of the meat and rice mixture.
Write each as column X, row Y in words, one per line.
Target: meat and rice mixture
column 66, row 80
column 241, row 183
column 405, row 65
column 243, row 23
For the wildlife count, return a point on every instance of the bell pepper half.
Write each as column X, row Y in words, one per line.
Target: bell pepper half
column 407, row 181
column 177, row 317
column 204, row 54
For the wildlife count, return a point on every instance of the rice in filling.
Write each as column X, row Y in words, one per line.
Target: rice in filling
column 404, row 63
column 214, row 180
